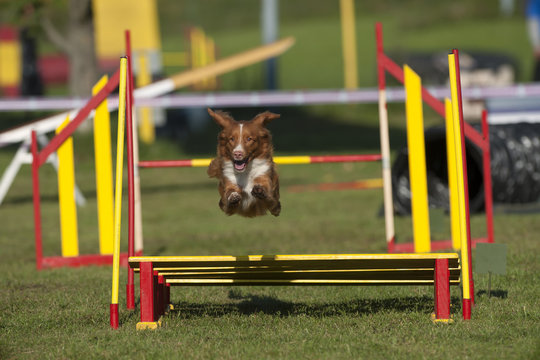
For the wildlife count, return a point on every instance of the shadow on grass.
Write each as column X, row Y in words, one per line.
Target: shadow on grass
column 256, row 304
column 501, row 294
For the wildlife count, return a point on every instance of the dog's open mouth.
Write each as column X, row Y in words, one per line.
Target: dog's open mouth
column 240, row 165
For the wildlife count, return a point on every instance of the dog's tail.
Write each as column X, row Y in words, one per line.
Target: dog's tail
column 214, row 169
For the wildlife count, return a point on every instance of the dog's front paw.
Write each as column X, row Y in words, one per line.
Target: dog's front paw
column 259, row 192
column 234, row 199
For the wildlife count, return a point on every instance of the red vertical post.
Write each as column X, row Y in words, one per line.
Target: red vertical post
column 488, row 190
column 442, row 289
column 167, row 296
column 114, row 318
column 385, row 144
column 37, row 202
column 466, row 185
column 147, row 292
column 380, row 51
column 130, row 287
column 160, row 295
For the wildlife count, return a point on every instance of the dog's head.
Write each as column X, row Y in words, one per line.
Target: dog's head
column 243, row 141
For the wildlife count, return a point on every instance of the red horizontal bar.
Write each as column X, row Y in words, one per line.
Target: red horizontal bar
column 397, row 72
column 82, row 260
column 165, row 163
column 476, row 137
column 79, row 118
column 437, row 105
column 313, row 159
column 345, row 158
column 434, row 103
column 394, row 69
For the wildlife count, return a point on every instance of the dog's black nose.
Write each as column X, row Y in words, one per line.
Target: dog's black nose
column 238, row 155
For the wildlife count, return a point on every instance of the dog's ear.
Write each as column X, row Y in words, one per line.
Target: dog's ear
column 265, row 118
column 221, row 118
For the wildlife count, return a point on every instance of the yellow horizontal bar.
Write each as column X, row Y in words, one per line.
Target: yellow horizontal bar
column 158, row 259
column 290, row 160
column 200, row 162
column 165, row 271
column 171, row 272
column 299, row 281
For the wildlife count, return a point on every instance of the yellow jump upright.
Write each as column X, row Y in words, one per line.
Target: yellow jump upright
column 348, row 35
column 118, row 191
column 104, row 178
column 66, row 195
column 452, row 175
column 417, row 161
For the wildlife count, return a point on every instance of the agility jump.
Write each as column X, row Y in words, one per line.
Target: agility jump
column 60, row 143
column 415, row 95
column 158, row 273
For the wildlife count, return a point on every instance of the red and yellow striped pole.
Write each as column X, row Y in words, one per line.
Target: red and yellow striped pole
column 281, row 160
column 118, row 192
column 462, row 190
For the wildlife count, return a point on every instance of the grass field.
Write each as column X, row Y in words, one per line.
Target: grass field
column 64, row 313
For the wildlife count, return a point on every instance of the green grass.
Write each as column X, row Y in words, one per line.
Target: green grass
column 63, row 313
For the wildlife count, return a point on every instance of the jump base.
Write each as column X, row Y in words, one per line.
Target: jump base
column 159, row 273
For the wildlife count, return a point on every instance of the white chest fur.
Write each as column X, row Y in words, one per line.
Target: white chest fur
column 245, row 179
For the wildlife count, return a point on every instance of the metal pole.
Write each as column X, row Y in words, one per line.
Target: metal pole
column 269, row 30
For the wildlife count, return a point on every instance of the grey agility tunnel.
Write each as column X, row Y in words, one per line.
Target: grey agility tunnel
column 515, row 168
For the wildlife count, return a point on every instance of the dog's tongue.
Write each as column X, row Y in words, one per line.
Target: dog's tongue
column 239, row 166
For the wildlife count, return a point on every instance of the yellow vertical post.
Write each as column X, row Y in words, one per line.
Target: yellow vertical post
column 417, row 161
column 194, row 37
column 211, row 58
column 203, row 56
column 104, row 177
column 147, row 129
column 66, row 195
column 119, row 175
column 460, row 179
column 348, row 36
column 10, row 62
column 452, row 176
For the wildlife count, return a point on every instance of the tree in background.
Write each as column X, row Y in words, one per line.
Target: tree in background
column 73, row 37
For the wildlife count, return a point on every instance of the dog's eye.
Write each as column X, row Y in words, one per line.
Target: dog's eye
column 249, row 138
column 231, row 138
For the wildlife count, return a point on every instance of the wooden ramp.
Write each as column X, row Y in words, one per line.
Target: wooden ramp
column 158, row 273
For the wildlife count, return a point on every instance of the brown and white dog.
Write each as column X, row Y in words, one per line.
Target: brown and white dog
column 248, row 180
